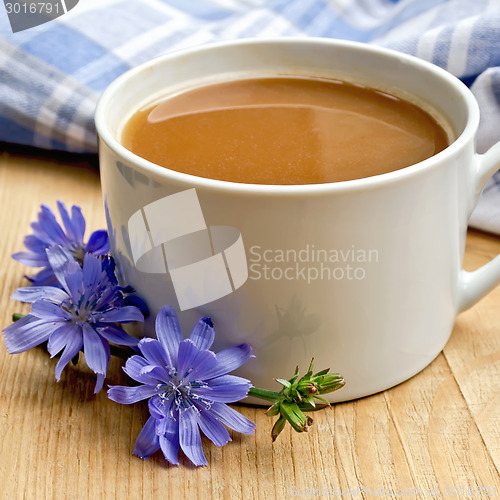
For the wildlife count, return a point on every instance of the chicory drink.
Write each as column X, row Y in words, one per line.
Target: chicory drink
column 284, row 130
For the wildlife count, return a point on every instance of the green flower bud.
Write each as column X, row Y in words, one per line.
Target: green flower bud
column 294, row 415
column 298, row 396
column 278, row 426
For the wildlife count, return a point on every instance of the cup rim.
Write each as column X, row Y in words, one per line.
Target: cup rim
column 147, row 167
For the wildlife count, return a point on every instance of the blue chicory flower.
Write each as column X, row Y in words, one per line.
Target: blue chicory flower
column 82, row 311
column 48, row 232
column 188, row 387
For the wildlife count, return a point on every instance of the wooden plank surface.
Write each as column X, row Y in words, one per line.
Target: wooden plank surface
column 434, row 436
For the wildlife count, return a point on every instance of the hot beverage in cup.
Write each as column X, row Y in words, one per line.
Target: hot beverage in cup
column 285, row 130
column 311, row 196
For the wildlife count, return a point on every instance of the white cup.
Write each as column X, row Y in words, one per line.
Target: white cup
column 364, row 275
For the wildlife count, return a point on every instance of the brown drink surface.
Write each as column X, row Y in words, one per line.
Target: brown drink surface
column 284, row 130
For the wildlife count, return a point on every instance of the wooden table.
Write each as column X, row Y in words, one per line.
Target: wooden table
column 434, row 436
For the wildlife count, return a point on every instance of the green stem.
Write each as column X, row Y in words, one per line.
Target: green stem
column 264, row 394
column 17, row 316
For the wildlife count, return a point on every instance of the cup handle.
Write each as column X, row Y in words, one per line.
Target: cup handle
column 476, row 284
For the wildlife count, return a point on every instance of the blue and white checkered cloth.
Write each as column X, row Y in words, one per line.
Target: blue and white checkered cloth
column 52, row 75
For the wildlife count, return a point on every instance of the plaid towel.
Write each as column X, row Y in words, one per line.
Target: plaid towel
column 52, row 75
